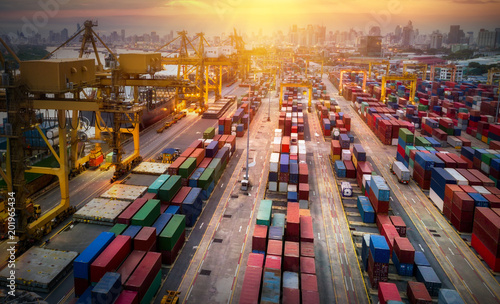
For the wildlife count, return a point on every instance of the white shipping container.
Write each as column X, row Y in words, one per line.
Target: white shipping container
column 346, row 189
column 346, row 154
column 485, row 168
column 274, row 162
column 292, row 188
column 278, row 133
column 302, row 142
column 394, row 142
column 481, row 189
column 277, row 145
column 366, row 179
column 436, row 200
column 401, row 171
column 461, row 181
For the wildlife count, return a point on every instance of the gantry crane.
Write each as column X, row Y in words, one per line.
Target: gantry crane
column 452, row 67
column 371, row 63
column 492, row 73
column 420, row 66
column 412, row 78
column 304, row 84
column 351, row 71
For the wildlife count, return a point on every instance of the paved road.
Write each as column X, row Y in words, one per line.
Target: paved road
column 472, row 279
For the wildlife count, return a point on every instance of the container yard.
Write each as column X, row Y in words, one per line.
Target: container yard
column 269, row 174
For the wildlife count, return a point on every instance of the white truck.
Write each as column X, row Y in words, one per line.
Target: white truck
column 400, row 170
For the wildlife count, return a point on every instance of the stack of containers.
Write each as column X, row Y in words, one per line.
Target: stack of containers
column 405, row 138
column 486, row 236
column 439, row 179
column 378, row 260
column 417, row 293
column 111, row 257
column 422, row 169
column 336, row 150
column 403, row 256
column 172, row 238
column 379, row 194
column 252, row 280
column 399, row 224
column 273, row 172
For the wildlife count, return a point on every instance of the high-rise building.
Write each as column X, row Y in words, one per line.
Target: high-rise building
column 397, row 34
column 408, row 35
column 470, row 38
column 486, row 38
column 436, row 40
column 455, row 35
column 123, row 35
column 374, row 31
column 64, row 34
column 370, row 46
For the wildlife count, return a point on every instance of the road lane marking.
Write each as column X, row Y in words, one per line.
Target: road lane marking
column 189, row 293
column 468, row 264
column 423, row 223
column 319, row 237
column 352, row 286
column 428, row 211
column 392, row 199
column 201, row 265
column 240, row 229
column 452, row 243
column 202, row 224
column 451, row 251
column 236, row 270
column 421, row 248
column 242, row 246
column 346, row 287
column 488, row 289
column 449, row 261
column 217, row 228
column 247, row 229
column 222, row 185
column 467, row 287
column 413, row 200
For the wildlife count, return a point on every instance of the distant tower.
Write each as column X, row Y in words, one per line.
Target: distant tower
column 374, row 31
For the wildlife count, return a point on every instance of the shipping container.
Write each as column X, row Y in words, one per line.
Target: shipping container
column 145, row 273
column 81, row 265
column 271, row 288
column 388, row 292
column 128, row 297
column 259, row 239
column 172, row 232
column 107, row 290
column 170, row 188
column 161, row 222
column 132, row 231
column 264, row 212
column 291, row 257
column 156, row 185
column 449, row 296
column 145, row 239
column 126, row 216
column 306, row 229
column 148, row 214
column 251, row 285
column 111, row 257
column 308, row 282
column 417, row 293
column 427, row 276
column 130, row 264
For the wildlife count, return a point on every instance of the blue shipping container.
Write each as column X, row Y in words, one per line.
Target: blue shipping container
column 107, row 289
column 81, row 265
column 449, row 296
column 290, row 280
column 162, row 221
column 271, row 288
column 428, row 276
column 379, row 249
column 132, row 231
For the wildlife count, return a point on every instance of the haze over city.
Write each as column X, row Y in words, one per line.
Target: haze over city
column 216, row 16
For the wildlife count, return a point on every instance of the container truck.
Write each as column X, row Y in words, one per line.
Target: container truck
column 400, row 170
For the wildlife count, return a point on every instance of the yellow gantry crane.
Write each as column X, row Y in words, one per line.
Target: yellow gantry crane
column 371, row 63
column 492, row 73
column 419, row 66
column 412, row 78
column 304, row 84
column 452, row 67
column 351, row 71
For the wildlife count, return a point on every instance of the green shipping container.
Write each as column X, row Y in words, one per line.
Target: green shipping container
column 411, row 163
column 217, row 166
column 153, row 288
column 421, row 141
column 486, row 158
column 408, row 149
column 147, row 215
column 406, row 135
column 279, row 221
column 170, row 188
column 206, row 178
column 155, row 186
column 172, row 232
column 118, row 229
column 187, row 167
column 209, row 133
column 422, row 107
column 264, row 213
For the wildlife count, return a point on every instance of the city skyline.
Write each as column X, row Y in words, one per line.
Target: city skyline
column 214, row 17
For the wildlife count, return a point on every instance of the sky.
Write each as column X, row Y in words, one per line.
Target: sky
column 216, row 16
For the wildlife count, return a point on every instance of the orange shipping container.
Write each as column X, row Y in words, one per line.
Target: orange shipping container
column 199, row 154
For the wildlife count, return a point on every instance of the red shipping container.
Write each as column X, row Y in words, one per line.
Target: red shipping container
column 168, row 257
column 163, row 207
column 285, row 144
column 349, row 168
column 473, row 181
column 275, row 247
column 461, row 226
column 381, row 220
column 128, row 297
column 489, row 221
column 145, row 273
column 303, row 191
column 486, row 182
column 307, row 265
column 400, row 225
column 387, row 292
column 126, row 216
column 493, row 199
column 256, row 259
column 149, row 195
column 259, row 239
column 174, row 167
column 205, row 162
column 145, row 239
column 390, row 233
column 493, row 190
column 378, row 206
column 187, row 153
column 490, row 259
column 250, row 290
column 468, row 189
column 80, row 286
column 291, row 296
column 377, row 272
column 111, row 257
column 307, row 249
column 310, row 297
column 460, row 163
column 292, row 222
column 291, row 257
column 303, row 173
column 404, row 250
column 180, row 196
column 450, row 189
column 492, row 245
column 130, row 264
column 196, row 144
column 463, row 201
column 273, row 264
column 308, row 282
column 306, row 229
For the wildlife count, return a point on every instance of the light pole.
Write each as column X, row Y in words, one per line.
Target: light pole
column 269, row 108
column 248, row 135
